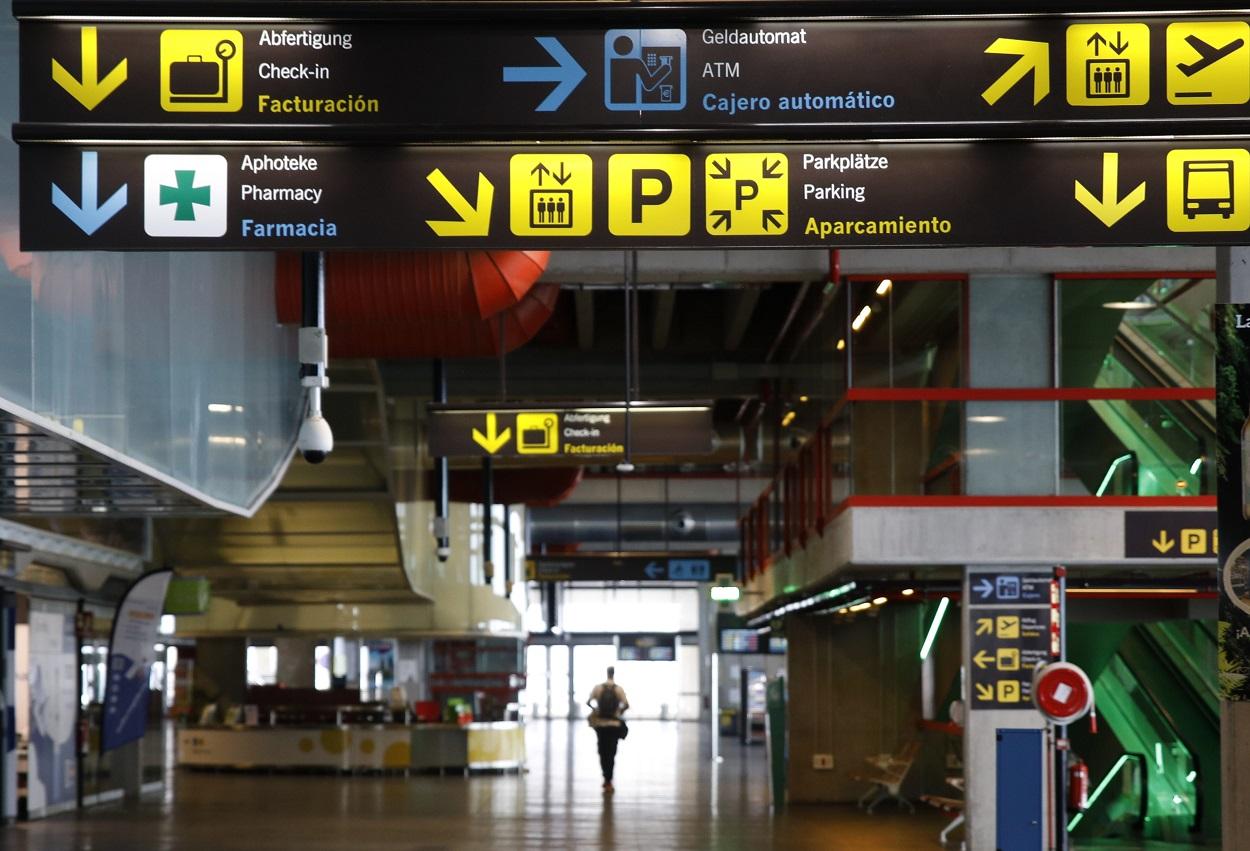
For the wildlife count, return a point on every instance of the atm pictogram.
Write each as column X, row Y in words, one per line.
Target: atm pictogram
column 201, row 70
column 1208, row 190
column 747, row 194
column 1108, row 64
column 550, row 194
column 538, row 434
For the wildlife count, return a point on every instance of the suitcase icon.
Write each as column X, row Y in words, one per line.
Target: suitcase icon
column 194, row 80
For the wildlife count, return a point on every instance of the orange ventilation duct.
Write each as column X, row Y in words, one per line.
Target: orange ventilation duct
column 425, row 304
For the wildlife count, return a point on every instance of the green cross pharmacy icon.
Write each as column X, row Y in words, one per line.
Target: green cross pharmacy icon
column 185, row 194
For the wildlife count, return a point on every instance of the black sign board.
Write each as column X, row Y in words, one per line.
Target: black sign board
column 714, row 196
column 1009, row 588
column 1007, row 644
column 1171, row 534
column 630, row 567
column 420, row 77
column 646, row 647
column 586, row 433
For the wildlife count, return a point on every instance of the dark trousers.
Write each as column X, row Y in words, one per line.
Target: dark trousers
column 609, row 738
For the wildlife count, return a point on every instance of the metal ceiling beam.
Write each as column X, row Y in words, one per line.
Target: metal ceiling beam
column 738, row 316
column 665, row 302
column 584, row 304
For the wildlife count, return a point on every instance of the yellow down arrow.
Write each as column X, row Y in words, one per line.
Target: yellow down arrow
column 493, row 440
column 1163, row 543
column 984, row 692
column 474, row 220
column 90, row 90
column 1110, row 208
column 1034, row 56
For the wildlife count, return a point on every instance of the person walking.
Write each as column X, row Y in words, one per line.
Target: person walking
column 607, row 702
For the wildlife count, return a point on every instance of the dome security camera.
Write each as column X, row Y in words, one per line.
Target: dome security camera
column 316, row 440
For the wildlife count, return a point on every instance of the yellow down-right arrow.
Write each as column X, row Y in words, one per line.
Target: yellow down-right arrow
column 1110, row 208
column 474, row 220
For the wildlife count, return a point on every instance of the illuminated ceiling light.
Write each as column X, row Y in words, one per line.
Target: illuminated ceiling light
column 788, row 418
column 220, row 407
column 934, row 627
column 987, row 418
column 1129, row 305
column 1193, row 468
column 864, row 313
column 803, row 398
column 226, row 440
column 907, row 592
column 726, row 593
column 859, row 607
column 880, row 601
column 884, row 286
column 841, row 345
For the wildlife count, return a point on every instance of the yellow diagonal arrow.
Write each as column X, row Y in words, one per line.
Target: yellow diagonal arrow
column 493, row 440
column 474, row 220
column 90, row 90
column 1163, row 543
column 985, row 692
column 983, row 659
column 1034, row 56
column 985, row 626
column 1110, row 208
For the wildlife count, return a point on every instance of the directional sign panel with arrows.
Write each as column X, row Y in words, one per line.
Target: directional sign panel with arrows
column 630, row 567
column 417, row 77
column 692, row 196
column 1009, row 622
column 1171, row 535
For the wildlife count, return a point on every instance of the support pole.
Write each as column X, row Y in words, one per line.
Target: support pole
column 442, row 498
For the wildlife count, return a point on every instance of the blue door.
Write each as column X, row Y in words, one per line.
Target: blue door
column 1019, row 804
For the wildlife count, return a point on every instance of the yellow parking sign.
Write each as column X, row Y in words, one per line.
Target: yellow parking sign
column 649, row 194
column 1208, row 63
column 747, row 194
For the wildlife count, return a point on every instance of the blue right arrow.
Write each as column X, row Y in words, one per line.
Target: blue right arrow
column 90, row 215
column 568, row 74
column 985, row 588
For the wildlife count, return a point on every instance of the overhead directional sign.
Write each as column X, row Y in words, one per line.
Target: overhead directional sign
column 629, row 567
column 539, row 196
column 558, row 431
column 420, row 75
column 1171, row 534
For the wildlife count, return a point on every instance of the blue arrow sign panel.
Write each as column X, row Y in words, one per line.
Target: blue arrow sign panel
column 629, row 567
column 992, row 589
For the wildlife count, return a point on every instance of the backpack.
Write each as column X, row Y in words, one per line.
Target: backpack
column 609, row 701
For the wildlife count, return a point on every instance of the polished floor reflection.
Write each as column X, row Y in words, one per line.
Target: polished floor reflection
column 667, row 796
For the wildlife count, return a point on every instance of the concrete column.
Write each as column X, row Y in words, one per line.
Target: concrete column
column 1233, row 286
column 1012, row 447
column 297, row 662
column 220, row 673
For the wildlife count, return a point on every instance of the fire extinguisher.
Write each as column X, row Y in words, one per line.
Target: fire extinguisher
column 1078, row 785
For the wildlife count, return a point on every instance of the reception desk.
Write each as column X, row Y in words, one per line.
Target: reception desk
column 357, row 747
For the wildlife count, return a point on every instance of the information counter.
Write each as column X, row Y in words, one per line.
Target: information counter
column 356, row 747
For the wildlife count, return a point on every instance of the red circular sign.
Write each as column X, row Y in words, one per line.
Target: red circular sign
column 1062, row 692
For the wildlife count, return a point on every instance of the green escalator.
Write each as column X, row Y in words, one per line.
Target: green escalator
column 1155, row 762
column 1146, row 334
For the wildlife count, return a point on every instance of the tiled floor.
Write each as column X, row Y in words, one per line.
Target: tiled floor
column 667, row 797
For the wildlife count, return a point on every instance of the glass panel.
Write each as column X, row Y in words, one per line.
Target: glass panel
column 172, row 360
column 906, row 333
column 907, row 448
column 558, row 672
column 1137, row 332
column 1119, row 448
